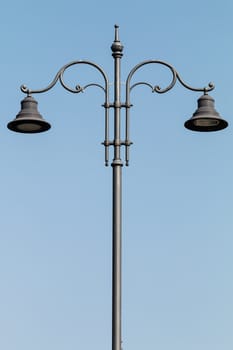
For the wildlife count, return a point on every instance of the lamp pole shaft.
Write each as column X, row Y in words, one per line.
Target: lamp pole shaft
column 116, row 259
column 117, row 200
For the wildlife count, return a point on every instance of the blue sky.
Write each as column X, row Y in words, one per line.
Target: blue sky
column 55, row 227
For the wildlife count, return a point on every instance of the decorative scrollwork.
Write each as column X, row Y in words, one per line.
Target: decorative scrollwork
column 154, row 88
column 157, row 88
column 143, row 83
column 60, row 76
column 210, row 87
column 77, row 89
column 27, row 91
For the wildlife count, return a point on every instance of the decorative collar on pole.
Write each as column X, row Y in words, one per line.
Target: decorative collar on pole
column 117, row 46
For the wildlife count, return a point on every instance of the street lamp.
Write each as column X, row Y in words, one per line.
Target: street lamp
column 205, row 118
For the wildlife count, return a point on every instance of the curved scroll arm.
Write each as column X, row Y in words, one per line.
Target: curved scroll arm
column 210, row 87
column 81, row 89
column 78, row 88
column 156, row 88
column 142, row 83
column 60, row 76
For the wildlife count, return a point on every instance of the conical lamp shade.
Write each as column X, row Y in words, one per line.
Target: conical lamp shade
column 29, row 120
column 206, row 118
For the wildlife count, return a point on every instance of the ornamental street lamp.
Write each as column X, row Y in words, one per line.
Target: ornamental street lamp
column 29, row 120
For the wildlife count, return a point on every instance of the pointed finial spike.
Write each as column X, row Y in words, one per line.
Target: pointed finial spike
column 116, row 32
column 117, row 46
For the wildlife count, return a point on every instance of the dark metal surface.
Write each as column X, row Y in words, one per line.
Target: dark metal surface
column 204, row 119
column 29, row 120
column 117, row 53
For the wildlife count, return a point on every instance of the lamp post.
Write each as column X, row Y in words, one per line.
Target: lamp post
column 205, row 118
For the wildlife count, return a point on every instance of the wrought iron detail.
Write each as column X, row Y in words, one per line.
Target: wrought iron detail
column 117, row 49
column 60, row 76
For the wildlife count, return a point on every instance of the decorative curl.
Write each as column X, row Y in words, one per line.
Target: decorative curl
column 157, row 88
column 25, row 89
column 210, row 87
column 78, row 88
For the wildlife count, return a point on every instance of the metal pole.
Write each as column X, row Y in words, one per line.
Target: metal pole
column 28, row 120
column 117, row 164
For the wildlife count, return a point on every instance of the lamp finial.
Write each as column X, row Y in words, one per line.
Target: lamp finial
column 117, row 46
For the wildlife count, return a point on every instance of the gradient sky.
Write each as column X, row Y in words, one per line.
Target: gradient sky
column 55, row 227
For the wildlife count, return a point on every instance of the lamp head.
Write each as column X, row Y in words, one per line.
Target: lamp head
column 29, row 120
column 206, row 118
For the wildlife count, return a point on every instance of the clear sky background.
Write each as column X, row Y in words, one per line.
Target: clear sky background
column 55, row 192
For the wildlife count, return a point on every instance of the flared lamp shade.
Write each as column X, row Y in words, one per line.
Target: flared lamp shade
column 206, row 118
column 29, row 120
